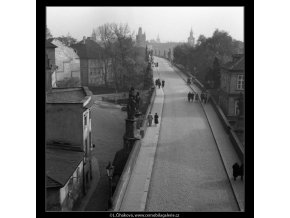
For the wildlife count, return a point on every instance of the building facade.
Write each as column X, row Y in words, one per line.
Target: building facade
column 69, row 140
column 94, row 69
column 232, row 88
column 66, row 60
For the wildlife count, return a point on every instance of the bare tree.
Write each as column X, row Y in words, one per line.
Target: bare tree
column 120, row 54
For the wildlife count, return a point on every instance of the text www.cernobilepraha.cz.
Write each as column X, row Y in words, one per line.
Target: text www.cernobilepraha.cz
column 144, row 215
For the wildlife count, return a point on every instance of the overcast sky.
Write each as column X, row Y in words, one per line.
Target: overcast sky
column 171, row 23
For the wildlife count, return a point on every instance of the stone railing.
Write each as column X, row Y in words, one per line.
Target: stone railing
column 232, row 135
column 127, row 171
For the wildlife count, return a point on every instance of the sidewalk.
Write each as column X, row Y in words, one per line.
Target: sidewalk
column 226, row 149
column 137, row 189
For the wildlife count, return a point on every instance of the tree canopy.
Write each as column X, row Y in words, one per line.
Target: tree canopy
column 67, row 40
column 207, row 55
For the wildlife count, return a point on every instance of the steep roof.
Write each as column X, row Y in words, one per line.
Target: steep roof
column 68, row 95
column 48, row 44
column 238, row 65
column 88, row 50
column 60, row 166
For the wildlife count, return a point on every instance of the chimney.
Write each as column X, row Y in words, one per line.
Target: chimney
column 84, row 40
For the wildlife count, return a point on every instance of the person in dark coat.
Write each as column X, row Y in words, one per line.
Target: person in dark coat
column 150, row 118
column 236, row 169
column 189, row 96
column 159, row 83
column 163, row 83
column 192, row 96
column 205, row 98
column 196, row 96
column 156, row 119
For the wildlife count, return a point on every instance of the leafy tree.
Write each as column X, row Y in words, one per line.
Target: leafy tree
column 127, row 62
column 148, row 77
column 220, row 46
column 201, row 39
column 67, row 40
column 48, row 34
column 146, row 54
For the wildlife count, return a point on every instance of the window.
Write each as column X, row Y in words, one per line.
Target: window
column 240, row 82
column 85, row 120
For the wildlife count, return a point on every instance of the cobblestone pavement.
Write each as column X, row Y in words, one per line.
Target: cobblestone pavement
column 188, row 174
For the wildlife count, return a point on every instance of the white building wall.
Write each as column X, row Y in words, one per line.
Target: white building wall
column 67, row 61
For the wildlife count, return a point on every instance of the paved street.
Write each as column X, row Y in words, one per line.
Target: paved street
column 187, row 174
column 108, row 127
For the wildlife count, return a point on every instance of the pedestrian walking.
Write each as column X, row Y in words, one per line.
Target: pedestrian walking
column 196, row 97
column 189, row 96
column 156, row 119
column 158, row 83
column 236, row 169
column 192, row 96
column 205, row 98
column 150, row 118
column 163, row 83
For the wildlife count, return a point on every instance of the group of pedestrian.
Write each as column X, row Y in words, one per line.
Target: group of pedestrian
column 150, row 118
column 159, row 83
column 204, row 97
column 238, row 170
column 191, row 96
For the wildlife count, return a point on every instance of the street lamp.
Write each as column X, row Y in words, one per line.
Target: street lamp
column 110, row 172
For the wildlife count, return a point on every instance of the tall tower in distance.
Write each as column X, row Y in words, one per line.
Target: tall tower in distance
column 141, row 38
column 191, row 38
column 158, row 39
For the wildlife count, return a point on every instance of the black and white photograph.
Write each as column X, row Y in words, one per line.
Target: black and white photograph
column 145, row 109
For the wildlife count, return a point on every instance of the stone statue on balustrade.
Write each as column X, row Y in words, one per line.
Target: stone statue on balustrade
column 131, row 107
column 137, row 100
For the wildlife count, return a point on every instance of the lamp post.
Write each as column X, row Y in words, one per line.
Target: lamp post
column 110, row 172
